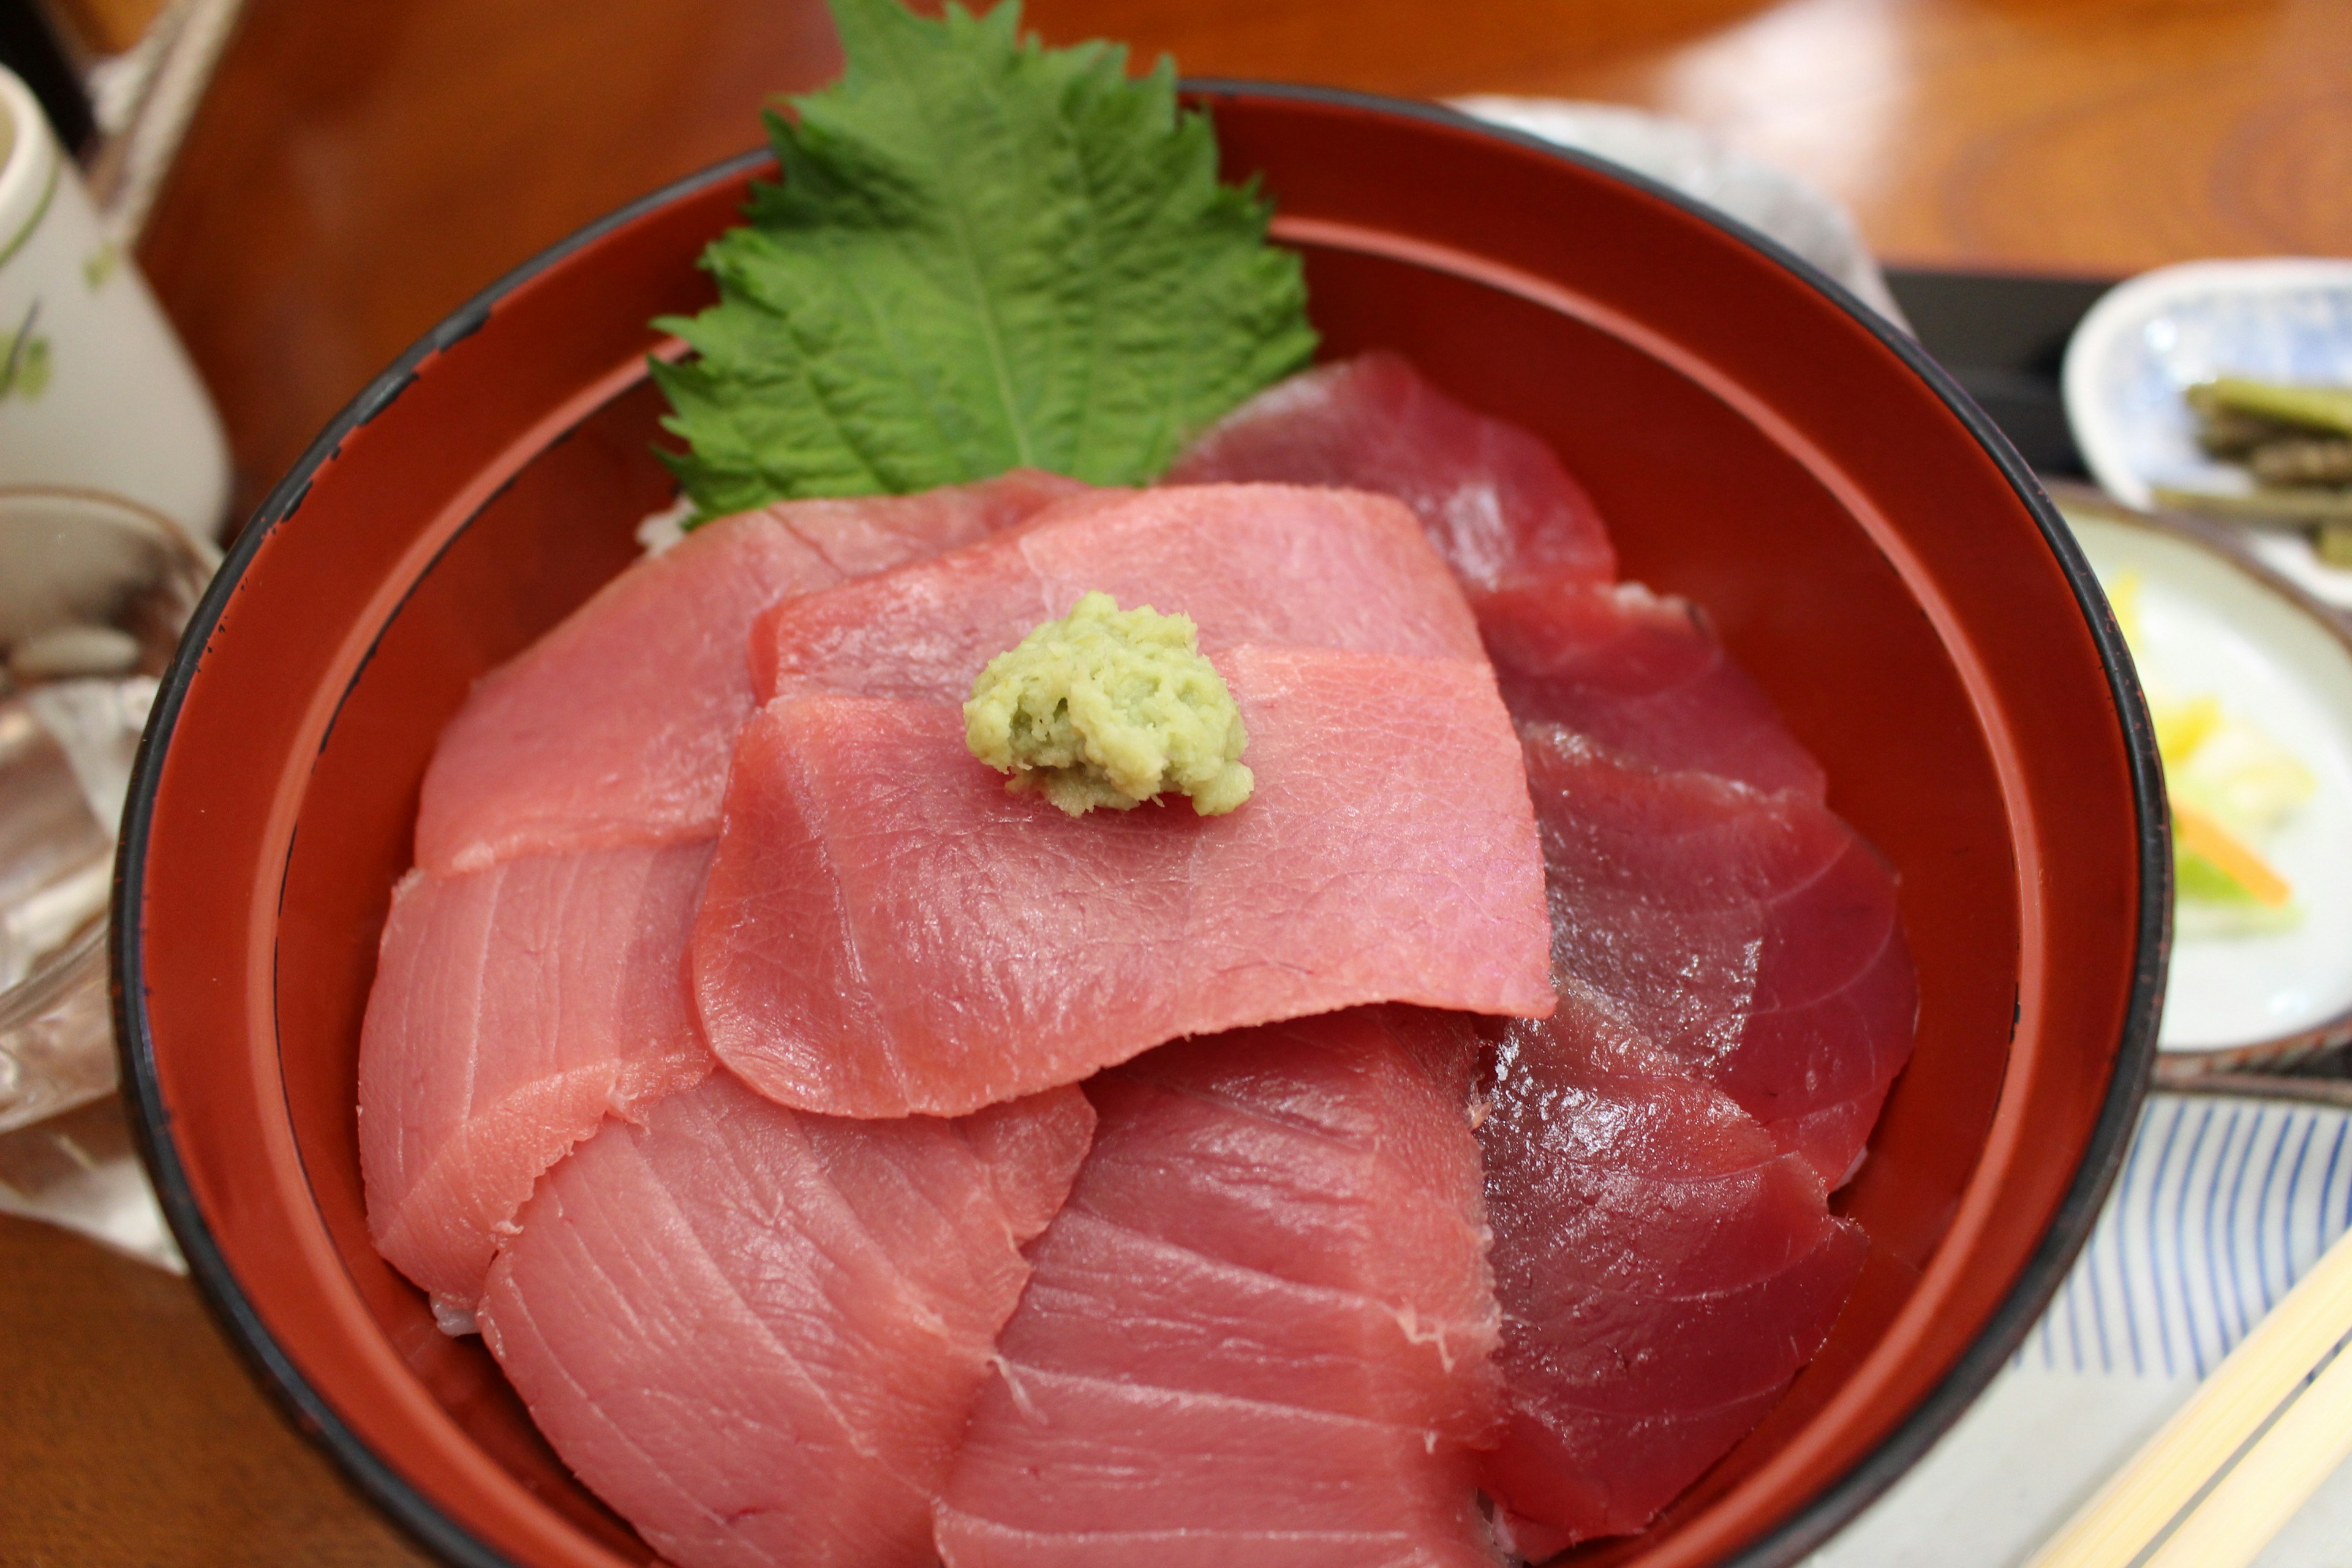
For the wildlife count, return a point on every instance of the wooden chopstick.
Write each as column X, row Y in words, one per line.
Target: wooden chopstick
column 2271, row 1481
column 2236, row 1462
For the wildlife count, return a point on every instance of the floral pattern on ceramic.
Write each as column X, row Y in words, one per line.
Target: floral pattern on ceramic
column 25, row 360
column 95, row 392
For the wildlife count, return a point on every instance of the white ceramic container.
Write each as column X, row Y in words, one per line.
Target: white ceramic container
column 96, row 392
column 2213, row 623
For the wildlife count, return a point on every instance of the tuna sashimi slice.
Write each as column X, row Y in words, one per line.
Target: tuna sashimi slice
column 1250, row 563
column 1260, row 1332
column 1642, row 675
column 1665, row 1268
column 1495, row 500
column 616, row 727
column 888, row 929
column 514, row 1009
column 1754, row 936
column 758, row 1334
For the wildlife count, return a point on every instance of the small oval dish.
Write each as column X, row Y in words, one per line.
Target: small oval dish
column 2152, row 338
column 2211, row 620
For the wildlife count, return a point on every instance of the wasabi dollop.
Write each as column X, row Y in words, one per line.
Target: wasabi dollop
column 1110, row 707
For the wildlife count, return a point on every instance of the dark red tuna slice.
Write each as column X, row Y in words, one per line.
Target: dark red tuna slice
column 1249, row 563
column 1640, row 674
column 514, row 1010
column 1753, row 936
column 616, row 727
column 888, row 929
column 756, row 1334
column 1495, row 500
column 1260, row 1330
column 1665, row 1268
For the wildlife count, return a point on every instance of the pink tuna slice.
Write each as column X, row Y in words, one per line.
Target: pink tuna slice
column 1249, row 563
column 756, row 1334
column 1665, row 1268
column 615, row 727
column 1259, row 1333
column 514, row 1009
column 1755, row 937
column 1642, row 675
column 888, row 930
column 1494, row 497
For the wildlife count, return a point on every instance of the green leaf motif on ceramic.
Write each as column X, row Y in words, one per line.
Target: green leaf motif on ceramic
column 100, row 265
column 984, row 254
column 24, row 361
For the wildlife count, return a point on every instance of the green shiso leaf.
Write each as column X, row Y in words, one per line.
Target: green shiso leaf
column 983, row 255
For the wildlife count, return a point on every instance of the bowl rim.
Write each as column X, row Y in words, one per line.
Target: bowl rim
column 1782, row 1545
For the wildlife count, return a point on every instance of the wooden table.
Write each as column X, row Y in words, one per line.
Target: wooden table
column 360, row 168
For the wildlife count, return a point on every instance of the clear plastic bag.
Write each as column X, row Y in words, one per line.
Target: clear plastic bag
column 93, row 595
column 80, row 1171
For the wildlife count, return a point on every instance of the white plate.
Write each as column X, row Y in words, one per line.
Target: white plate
column 2223, row 1204
column 2148, row 340
column 2208, row 624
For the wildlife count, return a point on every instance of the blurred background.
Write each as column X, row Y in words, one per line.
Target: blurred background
column 352, row 171
column 308, row 187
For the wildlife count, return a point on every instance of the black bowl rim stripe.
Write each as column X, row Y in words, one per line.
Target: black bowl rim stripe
column 1786, row 1543
column 151, row 1119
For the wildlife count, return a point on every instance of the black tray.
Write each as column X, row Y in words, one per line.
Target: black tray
column 2003, row 336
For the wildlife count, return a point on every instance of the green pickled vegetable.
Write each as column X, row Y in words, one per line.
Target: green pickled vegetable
column 2279, row 506
column 2302, row 406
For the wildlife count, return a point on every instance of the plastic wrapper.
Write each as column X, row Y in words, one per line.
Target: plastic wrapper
column 93, row 593
column 80, row 1171
column 65, row 755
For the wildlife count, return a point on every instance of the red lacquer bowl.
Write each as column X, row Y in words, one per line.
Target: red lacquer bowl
column 1872, row 550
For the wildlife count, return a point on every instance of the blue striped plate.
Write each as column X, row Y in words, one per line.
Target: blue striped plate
column 2224, row 1202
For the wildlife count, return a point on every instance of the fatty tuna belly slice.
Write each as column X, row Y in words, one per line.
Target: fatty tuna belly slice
column 888, row 930
column 1642, row 675
column 1754, row 936
column 513, row 1010
column 616, row 727
column 1494, row 499
column 1665, row 1268
column 758, row 1334
column 1259, row 1333
column 1249, row 563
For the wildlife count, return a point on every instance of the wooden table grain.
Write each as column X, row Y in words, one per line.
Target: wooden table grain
column 360, row 168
